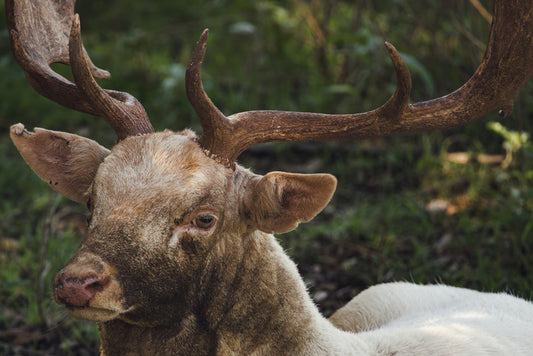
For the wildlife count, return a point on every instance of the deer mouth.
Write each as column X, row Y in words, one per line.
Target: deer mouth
column 99, row 314
column 93, row 314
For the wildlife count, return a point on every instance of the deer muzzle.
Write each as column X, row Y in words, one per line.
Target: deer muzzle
column 78, row 291
column 89, row 289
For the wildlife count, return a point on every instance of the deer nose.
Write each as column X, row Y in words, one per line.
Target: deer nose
column 78, row 292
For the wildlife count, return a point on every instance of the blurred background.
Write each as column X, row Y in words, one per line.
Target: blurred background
column 450, row 207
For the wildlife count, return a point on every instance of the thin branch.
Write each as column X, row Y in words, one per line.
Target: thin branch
column 481, row 9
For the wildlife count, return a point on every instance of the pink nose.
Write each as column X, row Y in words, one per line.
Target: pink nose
column 78, row 292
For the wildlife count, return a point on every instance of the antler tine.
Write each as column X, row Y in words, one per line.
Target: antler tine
column 216, row 126
column 505, row 68
column 121, row 110
column 39, row 37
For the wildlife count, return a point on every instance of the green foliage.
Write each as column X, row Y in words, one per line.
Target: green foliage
column 404, row 209
column 514, row 141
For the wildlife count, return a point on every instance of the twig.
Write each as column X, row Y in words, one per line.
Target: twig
column 481, row 9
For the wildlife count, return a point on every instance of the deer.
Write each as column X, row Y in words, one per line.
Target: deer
column 180, row 256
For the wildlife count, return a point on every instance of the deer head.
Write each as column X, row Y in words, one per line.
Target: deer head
column 155, row 199
column 172, row 216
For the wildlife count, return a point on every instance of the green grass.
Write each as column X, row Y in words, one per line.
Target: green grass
column 264, row 54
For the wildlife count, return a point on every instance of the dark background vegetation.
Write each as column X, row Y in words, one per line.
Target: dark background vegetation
column 450, row 207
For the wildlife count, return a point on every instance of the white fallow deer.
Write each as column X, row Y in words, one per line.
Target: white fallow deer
column 180, row 259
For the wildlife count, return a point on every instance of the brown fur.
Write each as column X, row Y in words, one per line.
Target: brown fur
column 179, row 289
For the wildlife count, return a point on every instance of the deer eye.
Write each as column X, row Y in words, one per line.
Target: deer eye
column 204, row 221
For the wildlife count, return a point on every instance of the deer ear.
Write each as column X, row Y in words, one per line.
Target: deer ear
column 67, row 162
column 279, row 201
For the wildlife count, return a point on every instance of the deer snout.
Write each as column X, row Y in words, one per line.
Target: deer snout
column 78, row 291
column 81, row 279
column 89, row 288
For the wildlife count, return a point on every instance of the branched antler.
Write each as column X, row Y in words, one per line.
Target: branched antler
column 46, row 32
column 507, row 65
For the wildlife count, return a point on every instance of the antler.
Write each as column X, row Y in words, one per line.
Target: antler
column 45, row 32
column 506, row 66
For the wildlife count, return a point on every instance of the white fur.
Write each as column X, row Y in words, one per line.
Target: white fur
column 409, row 319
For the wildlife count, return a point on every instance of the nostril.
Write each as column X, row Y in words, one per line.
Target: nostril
column 96, row 284
column 74, row 291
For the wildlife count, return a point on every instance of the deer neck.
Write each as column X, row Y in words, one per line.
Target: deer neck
column 257, row 304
